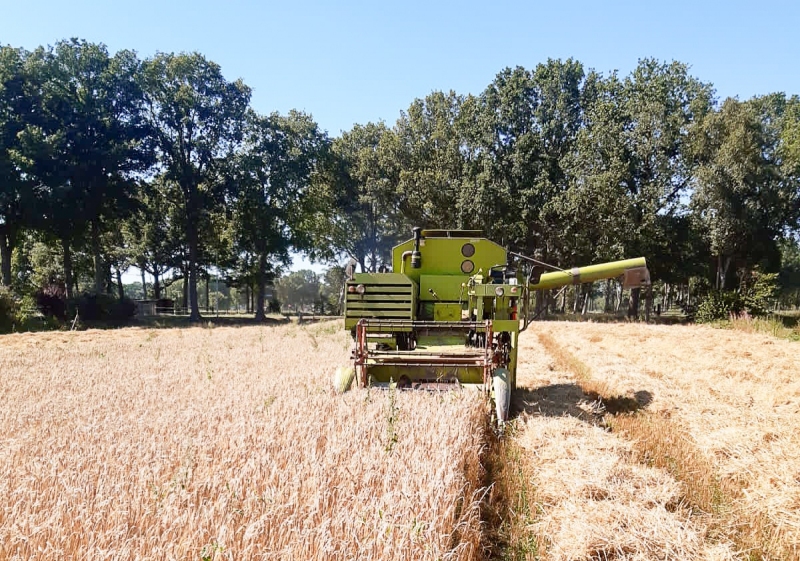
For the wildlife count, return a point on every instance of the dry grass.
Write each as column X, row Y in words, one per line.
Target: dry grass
column 724, row 420
column 593, row 496
column 226, row 443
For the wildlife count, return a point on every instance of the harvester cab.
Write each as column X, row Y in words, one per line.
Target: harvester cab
column 449, row 313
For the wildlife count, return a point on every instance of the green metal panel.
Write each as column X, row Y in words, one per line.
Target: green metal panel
column 446, row 287
column 374, row 297
column 386, row 296
column 511, row 325
column 444, row 255
column 379, row 278
column 446, row 312
column 356, row 305
column 465, row 375
column 393, row 314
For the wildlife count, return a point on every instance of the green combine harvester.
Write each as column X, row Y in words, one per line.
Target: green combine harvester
column 451, row 311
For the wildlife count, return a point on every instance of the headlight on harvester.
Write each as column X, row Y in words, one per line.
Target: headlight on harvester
column 499, row 291
column 361, row 289
column 351, row 289
column 514, row 289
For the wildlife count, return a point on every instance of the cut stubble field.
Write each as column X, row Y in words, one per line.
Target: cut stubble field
column 630, row 442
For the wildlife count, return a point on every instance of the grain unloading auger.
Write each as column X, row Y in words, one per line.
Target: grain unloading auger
column 449, row 313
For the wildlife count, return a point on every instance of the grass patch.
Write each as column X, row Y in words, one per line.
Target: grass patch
column 782, row 327
column 511, row 507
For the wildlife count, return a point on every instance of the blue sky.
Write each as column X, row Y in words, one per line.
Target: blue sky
column 352, row 62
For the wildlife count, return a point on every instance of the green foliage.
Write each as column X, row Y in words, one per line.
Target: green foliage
column 9, row 311
column 332, row 290
column 754, row 297
column 298, row 290
column 758, row 292
column 790, row 273
column 51, row 302
column 719, row 305
column 101, row 307
column 108, row 161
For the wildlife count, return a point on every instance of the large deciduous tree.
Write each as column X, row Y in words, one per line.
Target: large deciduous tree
column 424, row 159
column 197, row 117
column 84, row 144
column 367, row 220
column 16, row 99
column 742, row 200
column 524, row 126
column 273, row 181
column 634, row 154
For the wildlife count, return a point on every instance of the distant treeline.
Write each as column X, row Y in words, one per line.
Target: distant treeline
column 108, row 161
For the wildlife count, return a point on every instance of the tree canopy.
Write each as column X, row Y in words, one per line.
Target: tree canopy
column 108, row 161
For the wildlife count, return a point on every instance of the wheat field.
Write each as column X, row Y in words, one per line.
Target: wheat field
column 230, row 443
column 226, row 443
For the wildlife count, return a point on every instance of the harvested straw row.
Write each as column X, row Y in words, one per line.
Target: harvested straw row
column 723, row 416
column 592, row 498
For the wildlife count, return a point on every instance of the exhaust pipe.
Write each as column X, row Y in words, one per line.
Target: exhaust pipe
column 416, row 255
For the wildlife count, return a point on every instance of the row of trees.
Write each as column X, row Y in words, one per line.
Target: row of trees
column 582, row 167
column 108, row 161
column 158, row 163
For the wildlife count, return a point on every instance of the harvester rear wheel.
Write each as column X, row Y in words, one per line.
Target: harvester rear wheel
column 501, row 387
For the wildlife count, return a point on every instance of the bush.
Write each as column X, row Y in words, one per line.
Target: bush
column 123, row 310
column 51, row 301
column 274, row 306
column 102, row 307
column 758, row 292
column 9, row 310
column 754, row 297
column 718, row 305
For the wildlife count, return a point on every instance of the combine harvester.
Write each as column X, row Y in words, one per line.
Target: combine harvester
column 450, row 313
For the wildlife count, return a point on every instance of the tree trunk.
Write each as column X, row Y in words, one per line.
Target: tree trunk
column 185, row 295
column 585, row 306
column 722, row 271
column 6, row 247
column 99, row 273
column 144, row 284
column 540, row 303
column 193, row 239
column 608, row 305
column 156, row 284
column 633, row 303
column 67, row 268
column 247, row 299
column 120, row 288
column 208, row 300
column 261, row 280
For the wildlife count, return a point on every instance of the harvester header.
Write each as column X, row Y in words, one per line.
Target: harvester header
column 448, row 314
